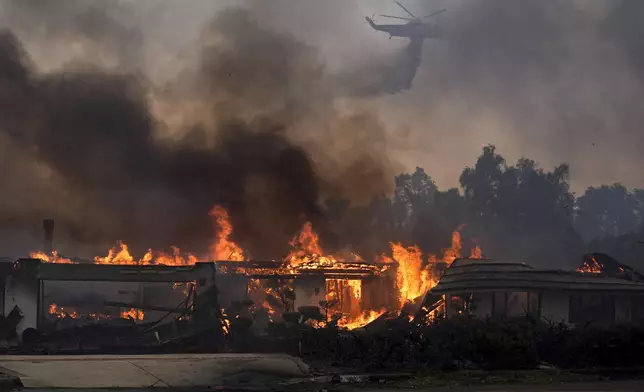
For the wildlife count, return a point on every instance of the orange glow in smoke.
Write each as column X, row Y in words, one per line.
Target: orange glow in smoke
column 223, row 248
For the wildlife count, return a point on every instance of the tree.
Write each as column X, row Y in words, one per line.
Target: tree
column 522, row 211
column 414, row 192
column 608, row 211
column 481, row 183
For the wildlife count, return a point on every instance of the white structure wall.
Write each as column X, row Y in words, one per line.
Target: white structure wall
column 555, row 306
column 482, row 304
column 24, row 294
column 309, row 291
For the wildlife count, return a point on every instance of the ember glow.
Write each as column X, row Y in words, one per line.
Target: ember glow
column 61, row 312
column 65, row 312
column 271, row 297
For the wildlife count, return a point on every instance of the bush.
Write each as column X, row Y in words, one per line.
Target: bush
column 466, row 342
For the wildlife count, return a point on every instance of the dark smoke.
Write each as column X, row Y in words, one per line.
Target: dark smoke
column 251, row 148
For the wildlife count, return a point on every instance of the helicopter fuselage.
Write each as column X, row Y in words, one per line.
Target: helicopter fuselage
column 411, row 30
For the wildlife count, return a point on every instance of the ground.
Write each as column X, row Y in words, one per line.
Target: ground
column 600, row 386
column 597, row 386
column 273, row 372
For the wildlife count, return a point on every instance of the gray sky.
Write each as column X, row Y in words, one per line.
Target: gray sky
column 537, row 79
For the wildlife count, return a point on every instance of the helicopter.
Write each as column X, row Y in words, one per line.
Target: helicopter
column 415, row 29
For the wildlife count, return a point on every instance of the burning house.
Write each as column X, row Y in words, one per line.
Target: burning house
column 51, row 292
column 601, row 291
column 162, row 299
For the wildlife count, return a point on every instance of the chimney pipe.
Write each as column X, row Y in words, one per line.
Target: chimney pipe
column 48, row 225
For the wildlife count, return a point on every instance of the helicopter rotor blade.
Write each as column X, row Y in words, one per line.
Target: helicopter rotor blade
column 406, row 10
column 435, row 13
column 396, row 17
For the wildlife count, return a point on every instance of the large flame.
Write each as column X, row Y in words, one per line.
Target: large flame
column 412, row 279
column 223, row 248
column 307, row 252
column 415, row 273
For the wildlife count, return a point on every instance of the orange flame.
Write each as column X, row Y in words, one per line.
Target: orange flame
column 412, row 279
column 476, row 253
column 176, row 258
column 308, row 254
column 223, row 248
column 592, row 267
column 53, row 258
column 453, row 253
column 362, row 320
column 61, row 312
column 307, row 250
column 225, row 322
column 121, row 256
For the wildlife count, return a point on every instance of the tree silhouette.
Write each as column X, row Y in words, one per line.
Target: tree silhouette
column 520, row 212
column 608, row 211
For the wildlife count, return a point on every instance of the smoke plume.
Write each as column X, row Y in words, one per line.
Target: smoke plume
column 131, row 119
column 249, row 124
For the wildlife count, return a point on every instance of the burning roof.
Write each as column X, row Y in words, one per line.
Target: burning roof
column 414, row 273
column 467, row 275
column 604, row 265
